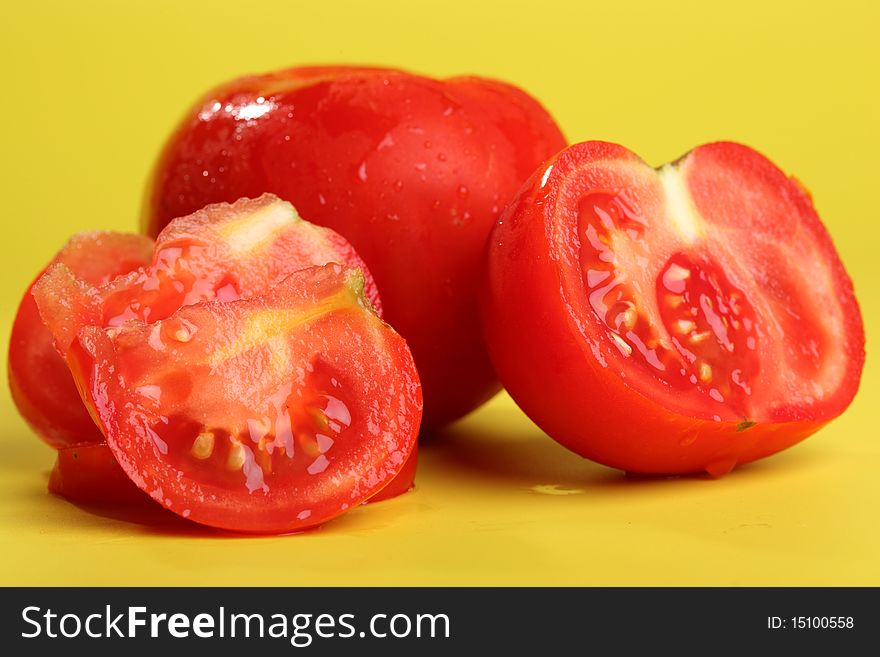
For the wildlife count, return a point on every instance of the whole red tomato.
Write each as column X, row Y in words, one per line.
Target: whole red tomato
column 412, row 171
column 676, row 320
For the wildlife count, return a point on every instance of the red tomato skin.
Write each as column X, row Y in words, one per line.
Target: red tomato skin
column 412, row 171
column 53, row 409
column 90, row 474
column 549, row 370
column 41, row 385
column 403, row 482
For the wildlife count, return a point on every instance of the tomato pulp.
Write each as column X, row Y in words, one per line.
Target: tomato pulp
column 675, row 320
column 412, row 171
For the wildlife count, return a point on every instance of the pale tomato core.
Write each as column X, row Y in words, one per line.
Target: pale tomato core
column 709, row 331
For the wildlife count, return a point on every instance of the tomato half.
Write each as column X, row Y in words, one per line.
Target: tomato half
column 675, row 320
column 268, row 414
column 41, row 385
column 412, row 171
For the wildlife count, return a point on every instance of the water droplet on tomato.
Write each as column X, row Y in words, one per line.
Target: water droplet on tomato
column 721, row 466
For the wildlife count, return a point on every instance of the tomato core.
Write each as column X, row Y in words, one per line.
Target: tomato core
column 705, row 333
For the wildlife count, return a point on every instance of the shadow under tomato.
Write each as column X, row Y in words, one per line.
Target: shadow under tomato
column 527, row 458
column 148, row 517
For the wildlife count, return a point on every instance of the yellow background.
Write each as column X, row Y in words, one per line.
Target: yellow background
column 89, row 91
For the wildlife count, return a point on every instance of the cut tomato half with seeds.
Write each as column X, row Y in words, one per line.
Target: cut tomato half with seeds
column 41, row 385
column 268, row 414
column 674, row 320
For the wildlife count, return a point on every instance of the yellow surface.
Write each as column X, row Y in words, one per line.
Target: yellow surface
column 90, row 89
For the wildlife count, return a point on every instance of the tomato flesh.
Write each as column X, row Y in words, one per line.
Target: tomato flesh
column 412, row 170
column 269, row 414
column 674, row 320
column 41, row 385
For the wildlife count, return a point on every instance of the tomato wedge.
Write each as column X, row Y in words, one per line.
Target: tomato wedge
column 41, row 385
column 224, row 252
column 675, row 320
column 268, row 414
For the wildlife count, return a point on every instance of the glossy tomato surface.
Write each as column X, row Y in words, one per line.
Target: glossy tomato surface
column 269, row 414
column 41, row 385
column 412, row 171
column 676, row 320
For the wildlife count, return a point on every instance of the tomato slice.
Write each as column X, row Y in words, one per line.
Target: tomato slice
column 91, row 475
column 674, row 320
column 39, row 380
column 224, row 252
column 268, row 414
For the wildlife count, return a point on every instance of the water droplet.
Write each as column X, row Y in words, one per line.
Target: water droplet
column 441, row 157
column 428, row 144
column 398, row 185
column 362, row 172
column 555, row 489
column 721, row 466
column 462, row 191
